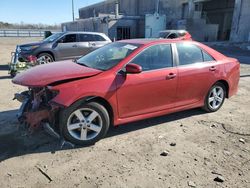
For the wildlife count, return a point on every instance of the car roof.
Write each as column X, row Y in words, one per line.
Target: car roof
column 173, row 31
column 151, row 41
column 83, row 32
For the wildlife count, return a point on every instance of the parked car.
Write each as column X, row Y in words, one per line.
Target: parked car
column 59, row 46
column 122, row 82
column 175, row 34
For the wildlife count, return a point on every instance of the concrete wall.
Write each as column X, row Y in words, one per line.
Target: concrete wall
column 172, row 9
column 92, row 24
column 241, row 21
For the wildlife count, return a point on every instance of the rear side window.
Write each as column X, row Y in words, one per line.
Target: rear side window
column 189, row 54
column 155, row 57
column 99, row 38
column 86, row 38
column 69, row 38
column 207, row 57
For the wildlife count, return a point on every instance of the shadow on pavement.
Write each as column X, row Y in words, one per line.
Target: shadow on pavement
column 15, row 141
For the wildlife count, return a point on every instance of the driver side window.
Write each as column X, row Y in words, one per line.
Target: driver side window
column 69, row 38
column 155, row 57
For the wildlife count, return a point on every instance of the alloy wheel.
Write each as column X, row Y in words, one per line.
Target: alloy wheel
column 216, row 97
column 45, row 59
column 84, row 124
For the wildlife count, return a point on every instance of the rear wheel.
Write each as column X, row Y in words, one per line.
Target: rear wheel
column 84, row 124
column 45, row 58
column 215, row 98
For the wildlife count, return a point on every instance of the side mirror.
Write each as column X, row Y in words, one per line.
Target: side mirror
column 132, row 68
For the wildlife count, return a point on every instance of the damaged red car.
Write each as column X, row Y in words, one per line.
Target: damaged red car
column 123, row 82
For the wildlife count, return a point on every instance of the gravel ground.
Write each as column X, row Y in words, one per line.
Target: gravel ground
column 197, row 148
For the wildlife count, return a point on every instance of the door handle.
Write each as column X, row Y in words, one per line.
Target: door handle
column 171, row 76
column 74, row 46
column 92, row 44
column 213, row 68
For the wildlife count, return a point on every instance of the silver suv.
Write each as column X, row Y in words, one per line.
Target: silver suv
column 61, row 46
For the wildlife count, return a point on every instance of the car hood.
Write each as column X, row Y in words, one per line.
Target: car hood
column 31, row 44
column 43, row 75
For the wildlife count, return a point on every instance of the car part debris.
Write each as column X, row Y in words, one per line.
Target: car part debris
column 54, row 134
column 44, row 173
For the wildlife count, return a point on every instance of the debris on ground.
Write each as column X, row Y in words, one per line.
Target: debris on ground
column 219, row 179
column 44, row 173
column 191, row 184
column 172, row 144
column 242, row 141
column 164, row 153
column 213, row 126
column 226, row 152
column 217, row 173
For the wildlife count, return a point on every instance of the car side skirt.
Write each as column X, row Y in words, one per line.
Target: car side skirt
column 158, row 113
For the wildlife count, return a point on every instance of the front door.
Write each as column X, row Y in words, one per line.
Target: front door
column 152, row 90
column 66, row 47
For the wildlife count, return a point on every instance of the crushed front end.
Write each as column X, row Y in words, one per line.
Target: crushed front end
column 37, row 108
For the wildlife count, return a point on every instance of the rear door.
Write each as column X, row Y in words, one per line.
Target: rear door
column 66, row 47
column 98, row 42
column 197, row 72
column 152, row 90
column 84, row 46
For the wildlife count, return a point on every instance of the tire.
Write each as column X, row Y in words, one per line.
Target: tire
column 84, row 124
column 215, row 98
column 45, row 58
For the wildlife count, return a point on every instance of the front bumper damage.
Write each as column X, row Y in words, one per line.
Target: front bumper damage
column 36, row 107
column 37, row 110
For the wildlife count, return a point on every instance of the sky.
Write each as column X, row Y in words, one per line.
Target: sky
column 40, row 11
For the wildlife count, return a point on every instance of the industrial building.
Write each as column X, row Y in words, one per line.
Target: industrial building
column 206, row 20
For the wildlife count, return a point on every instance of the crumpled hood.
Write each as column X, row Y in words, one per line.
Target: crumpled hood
column 43, row 75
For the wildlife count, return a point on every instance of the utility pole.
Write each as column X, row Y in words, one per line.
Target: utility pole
column 73, row 12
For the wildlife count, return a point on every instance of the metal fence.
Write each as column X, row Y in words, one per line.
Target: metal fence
column 22, row 33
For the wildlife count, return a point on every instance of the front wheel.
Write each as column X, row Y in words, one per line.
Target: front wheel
column 215, row 98
column 84, row 124
column 45, row 58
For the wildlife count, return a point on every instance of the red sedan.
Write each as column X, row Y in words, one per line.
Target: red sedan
column 123, row 82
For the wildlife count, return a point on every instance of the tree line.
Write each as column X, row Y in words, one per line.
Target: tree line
column 22, row 25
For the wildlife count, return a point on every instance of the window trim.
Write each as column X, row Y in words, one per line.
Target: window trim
column 172, row 57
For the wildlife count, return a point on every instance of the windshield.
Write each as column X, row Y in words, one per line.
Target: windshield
column 53, row 37
column 108, row 56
